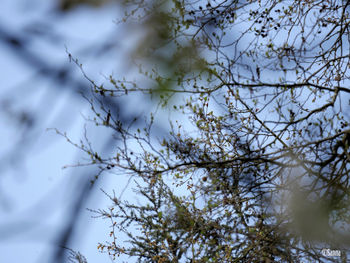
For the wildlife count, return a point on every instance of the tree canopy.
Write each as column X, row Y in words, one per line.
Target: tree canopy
column 255, row 166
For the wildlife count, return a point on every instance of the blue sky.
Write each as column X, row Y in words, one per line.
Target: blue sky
column 36, row 193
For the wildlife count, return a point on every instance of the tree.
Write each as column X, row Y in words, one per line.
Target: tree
column 256, row 169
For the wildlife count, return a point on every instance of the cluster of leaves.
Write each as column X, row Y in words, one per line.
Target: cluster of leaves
column 263, row 85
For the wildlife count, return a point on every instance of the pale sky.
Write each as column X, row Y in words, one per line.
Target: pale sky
column 36, row 193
